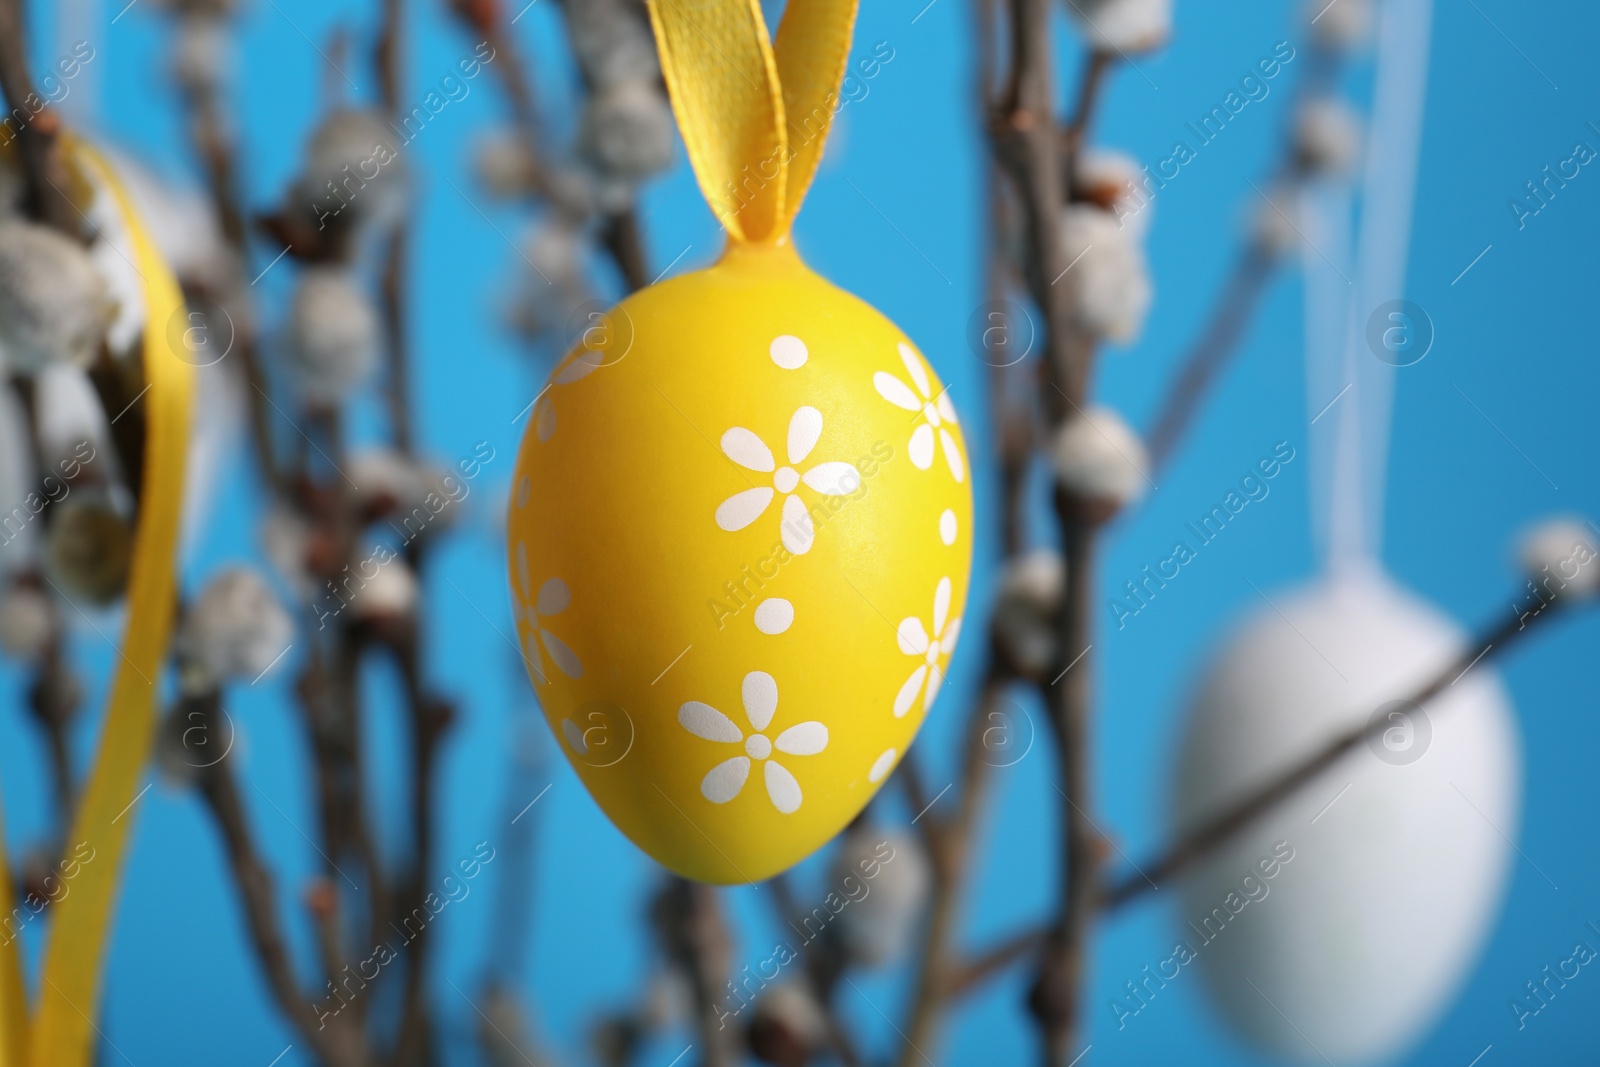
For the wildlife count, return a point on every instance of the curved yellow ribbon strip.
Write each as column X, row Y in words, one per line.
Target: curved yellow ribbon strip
column 13, row 994
column 812, row 49
column 69, row 994
column 754, row 117
column 723, row 81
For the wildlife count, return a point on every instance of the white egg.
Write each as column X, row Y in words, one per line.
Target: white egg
column 1354, row 947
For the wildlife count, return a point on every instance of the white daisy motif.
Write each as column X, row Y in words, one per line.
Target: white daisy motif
column 914, row 641
column 544, row 411
column 553, row 598
column 936, row 412
column 725, row 781
column 750, row 452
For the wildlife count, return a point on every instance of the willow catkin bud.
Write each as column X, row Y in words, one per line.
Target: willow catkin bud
column 54, row 304
column 236, row 627
column 89, row 547
column 1099, row 460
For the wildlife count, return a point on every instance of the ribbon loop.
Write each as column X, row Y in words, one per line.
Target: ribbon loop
column 754, row 118
column 812, row 50
column 74, row 959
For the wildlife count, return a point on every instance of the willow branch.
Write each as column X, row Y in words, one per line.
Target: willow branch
column 54, row 699
column 1219, row 828
column 258, row 897
column 1210, row 352
column 620, row 233
column 1056, row 991
column 1095, row 69
column 821, row 973
column 218, row 157
column 386, row 57
column 44, row 173
column 984, row 965
column 1217, row 831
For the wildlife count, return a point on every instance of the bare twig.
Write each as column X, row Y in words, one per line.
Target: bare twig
column 1095, row 69
column 1210, row 352
column 54, row 699
column 208, row 131
column 1055, row 995
column 950, row 849
column 386, row 57
column 822, row 973
column 688, row 917
column 986, row 964
column 336, row 1044
column 1208, row 355
column 1217, row 829
column 43, row 170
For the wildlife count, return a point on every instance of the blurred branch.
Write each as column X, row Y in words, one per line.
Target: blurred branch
column 822, row 973
column 43, row 171
column 386, row 58
column 1028, row 142
column 990, row 962
column 1055, row 995
column 1095, row 68
column 258, row 897
column 688, row 916
column 620, row 234
column 208, row 133
column 1214, row 831
column 54, row 698
column 1210, row 352
column 1217, row 830
column 950, row 845
column 427, row 718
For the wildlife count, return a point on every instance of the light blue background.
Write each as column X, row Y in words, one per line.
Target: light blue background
column 1516, row 334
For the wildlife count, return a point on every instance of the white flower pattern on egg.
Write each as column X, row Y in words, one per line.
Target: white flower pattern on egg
column 915, row 641
column 937, row 411
column 726, row 780
column 750, row 452
column 552, row 599
column 544, row 410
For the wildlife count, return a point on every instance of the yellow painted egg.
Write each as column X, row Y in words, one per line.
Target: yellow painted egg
column 740, row 537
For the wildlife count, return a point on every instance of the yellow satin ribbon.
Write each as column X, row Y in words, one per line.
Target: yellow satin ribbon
column 13, row 994
column 69, row 995
column 754, row 117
